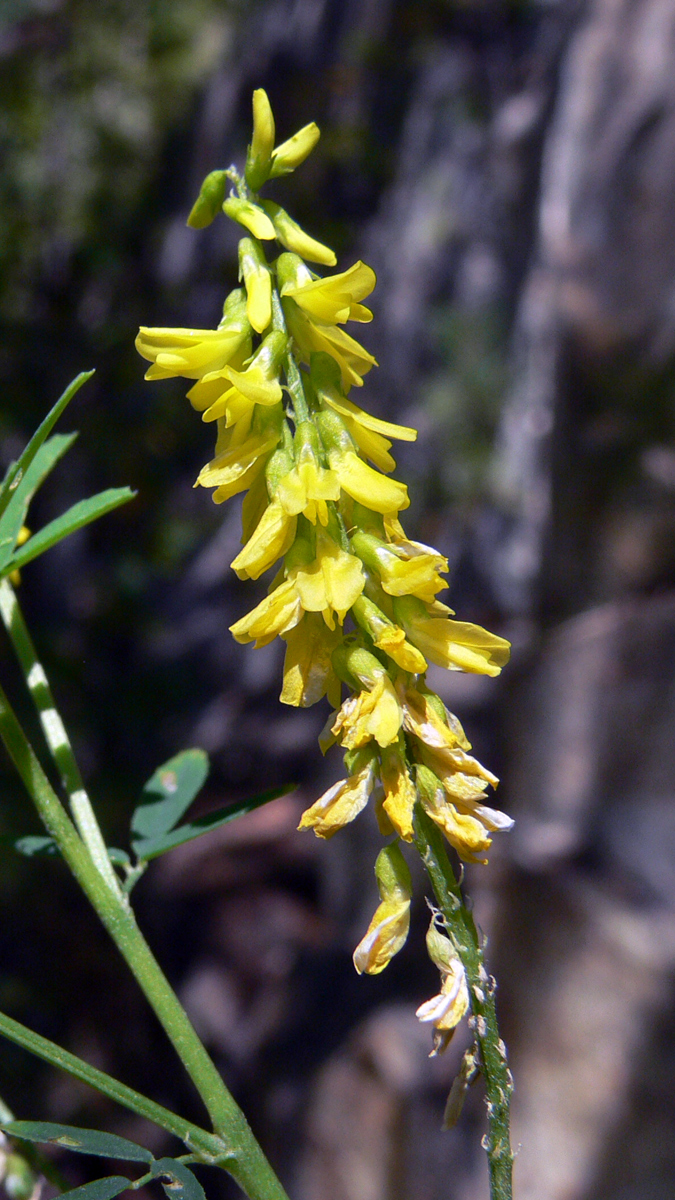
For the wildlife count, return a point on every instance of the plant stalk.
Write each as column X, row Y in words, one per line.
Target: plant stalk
column 461, row 928
column 56, row 737
column 245, row 1159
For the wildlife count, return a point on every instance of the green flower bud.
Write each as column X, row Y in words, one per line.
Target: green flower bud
column 291, row 153
column 259, row 157
column 209, row 201
column 392, row 874
column 333, row 430
column 291, row 270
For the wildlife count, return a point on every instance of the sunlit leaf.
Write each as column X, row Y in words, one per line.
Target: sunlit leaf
column 84, row 1141
column 177, row 1180
column 80, row 514
column 14, row 516
column 16, row 470
column 169, row 793
column 152, row 847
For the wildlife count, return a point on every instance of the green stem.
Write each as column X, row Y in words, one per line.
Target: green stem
column 246, row 1161
column 461, row 927
column 208, row 1146
column 291, row 369
column 56, row 737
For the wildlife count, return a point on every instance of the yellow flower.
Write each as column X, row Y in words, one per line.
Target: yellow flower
column 329, row 301
column 308, row 486
column 399, row 574
column 193, row 353
column 291, row 153
column 428, row 719
column 354, row 362
column 452, row 1003
column 259, row 157
column 369, row 433
column 453, row 801
column 273, row 536
column 241, row 452
column 456, row 645
column 258, row 281
column 277, row 614
column 308, row 669
column 232, row 393
column 387, row 636
column 342, row 802
column 374, row 712
column 388, row 929
column 329, row 582
column 365, row 485
column 399, row 791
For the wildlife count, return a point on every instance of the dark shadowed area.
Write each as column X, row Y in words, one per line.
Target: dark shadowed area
column 508, row 169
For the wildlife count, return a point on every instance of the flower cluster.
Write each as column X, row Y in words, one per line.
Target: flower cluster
column 354, row 599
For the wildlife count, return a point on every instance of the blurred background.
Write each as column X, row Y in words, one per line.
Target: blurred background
column 508, row 168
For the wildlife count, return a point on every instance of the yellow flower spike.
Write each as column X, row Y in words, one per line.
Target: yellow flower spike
column 272, row 537
column 209, row 201
column 254, row 271
column 361, row 482
column 398, row 574
column 342, row 802
column 294, row 238
column 387, row 636
column 291, row 153
column 277, row 614
column 192, row 353
column 456, row 645
column 452, row 1003
column 331, row 582
column 330, row 301
column 399, row 791
column 353, row 360
column 259, row 157
column 308, row 669
column 251, row 216
column 388, row 930
column 308, row 486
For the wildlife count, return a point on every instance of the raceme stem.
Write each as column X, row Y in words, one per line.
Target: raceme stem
column 461, row 927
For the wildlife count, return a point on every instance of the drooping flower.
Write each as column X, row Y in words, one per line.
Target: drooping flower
column 309, row 673
column 389, row 927
column 452, row 1002
column 353, row 360
column 232, row 393
column 342, row 802
column 399, row 573
column 327, row 579
column 455, row 645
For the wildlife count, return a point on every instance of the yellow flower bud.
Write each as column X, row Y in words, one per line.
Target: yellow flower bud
column 294, row 238
column 251, row 216
column 291, row 153
column 259, row 157
column 256, row 275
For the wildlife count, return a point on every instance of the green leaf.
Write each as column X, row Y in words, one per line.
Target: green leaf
column 14, row 515
column 119, row 857
column 84, row 1141
column 80, row 514
column 100, row 1189
column 169, row 793
column 152, row 847
column 17, row 470
column 182, row 1183
column 37, row 846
